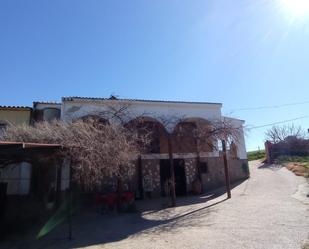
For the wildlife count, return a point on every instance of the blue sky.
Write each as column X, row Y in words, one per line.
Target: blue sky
column 243, row 53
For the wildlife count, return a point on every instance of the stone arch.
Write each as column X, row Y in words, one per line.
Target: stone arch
column 188, row 136
column 183, row 137
column 205, row 143
column 155, row 129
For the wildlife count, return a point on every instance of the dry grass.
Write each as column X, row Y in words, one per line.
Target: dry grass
column 96, row 150
column 297, row 168
column 298, row 165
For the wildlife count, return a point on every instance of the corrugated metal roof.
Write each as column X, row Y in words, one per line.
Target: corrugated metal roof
column 73, row 98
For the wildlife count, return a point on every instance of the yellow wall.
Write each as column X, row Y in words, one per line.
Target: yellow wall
column 15, row 116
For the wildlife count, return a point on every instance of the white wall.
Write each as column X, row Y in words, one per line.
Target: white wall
column 42, row 106
column 240, row 143
column 76, row 107
column 159, row 110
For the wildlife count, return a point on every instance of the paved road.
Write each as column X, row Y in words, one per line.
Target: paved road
column 261, row 214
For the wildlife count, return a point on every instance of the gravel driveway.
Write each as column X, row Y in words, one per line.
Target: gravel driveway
column 263, row 213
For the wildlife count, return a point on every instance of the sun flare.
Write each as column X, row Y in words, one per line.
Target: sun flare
column 296, row 7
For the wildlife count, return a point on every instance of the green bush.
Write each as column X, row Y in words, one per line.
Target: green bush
column 298, row 159
column 255, row 155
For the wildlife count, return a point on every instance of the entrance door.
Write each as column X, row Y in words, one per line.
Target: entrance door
column 180, row 176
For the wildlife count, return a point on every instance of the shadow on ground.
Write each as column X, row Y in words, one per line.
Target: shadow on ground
column 273, row 167
column 90, row 228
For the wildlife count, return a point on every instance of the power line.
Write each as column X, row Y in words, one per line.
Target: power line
column 279, row 122
column 269, row 106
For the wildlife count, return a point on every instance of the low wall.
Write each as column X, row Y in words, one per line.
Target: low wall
column 215, row 177
column 212, row 179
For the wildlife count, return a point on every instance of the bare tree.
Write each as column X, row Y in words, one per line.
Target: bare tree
column 204, row 132
column 217, row 130
column 279, row 133
column 95, row 150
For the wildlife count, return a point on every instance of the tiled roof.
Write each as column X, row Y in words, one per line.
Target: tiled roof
column 46, row 102
column 135, row 100
column 15, row 107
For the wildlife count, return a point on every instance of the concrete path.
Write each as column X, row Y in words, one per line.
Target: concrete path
column 265, row 212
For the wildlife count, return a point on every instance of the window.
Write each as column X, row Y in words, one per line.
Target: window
column 2, row 127
column 204, row 168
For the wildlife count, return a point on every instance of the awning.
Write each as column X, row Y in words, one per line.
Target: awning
column 8, row 144
column 21, row 151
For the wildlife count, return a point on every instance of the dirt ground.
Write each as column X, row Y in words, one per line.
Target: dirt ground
column 266, row 211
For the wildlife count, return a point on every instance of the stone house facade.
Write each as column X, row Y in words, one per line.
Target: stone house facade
column 167, row 118
column 192, row 159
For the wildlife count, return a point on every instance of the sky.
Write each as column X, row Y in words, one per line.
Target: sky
column 242, row 53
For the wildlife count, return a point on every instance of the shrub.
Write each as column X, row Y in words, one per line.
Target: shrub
column 255, row 155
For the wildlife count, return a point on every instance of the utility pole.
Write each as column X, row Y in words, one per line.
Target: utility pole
column 140, row 177
column 197, row 146
column 170, row 154
column 226, row 170
column 69, row 205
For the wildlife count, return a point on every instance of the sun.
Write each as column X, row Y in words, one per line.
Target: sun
column 297, row 8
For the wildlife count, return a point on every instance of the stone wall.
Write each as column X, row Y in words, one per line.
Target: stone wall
column 238, row 169
column 151, row 181
column 191, row 172
column 151, row 176
column 215, row 177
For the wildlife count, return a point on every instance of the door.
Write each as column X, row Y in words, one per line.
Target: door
column 180, row 176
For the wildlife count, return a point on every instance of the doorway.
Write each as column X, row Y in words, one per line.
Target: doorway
column 180, row 176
